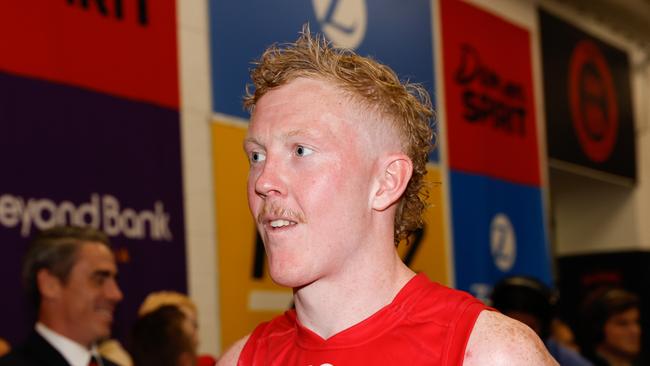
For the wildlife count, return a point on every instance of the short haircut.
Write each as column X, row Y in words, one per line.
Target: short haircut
column 56, row 251
column 159, row 339
column 405, row 106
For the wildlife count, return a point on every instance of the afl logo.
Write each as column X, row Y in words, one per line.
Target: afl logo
column 592, row 99
column 503, row 242
column 343, row 21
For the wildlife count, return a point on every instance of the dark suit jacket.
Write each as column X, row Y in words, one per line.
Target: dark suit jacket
column 36, row 351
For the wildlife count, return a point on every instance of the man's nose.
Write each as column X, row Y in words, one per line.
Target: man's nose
column 113, row 291
column 271, row 180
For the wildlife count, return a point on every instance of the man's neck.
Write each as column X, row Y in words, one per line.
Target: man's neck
column 56, row 325
column 73, row 352
column 339, row 301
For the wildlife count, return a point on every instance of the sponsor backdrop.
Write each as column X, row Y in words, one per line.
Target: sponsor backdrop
column 240, row 31
column 588, row 104
column 89, row 132
column 496, row 198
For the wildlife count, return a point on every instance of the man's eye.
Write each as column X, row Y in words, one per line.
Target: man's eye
column 99, row 280
column 303, row 151
column 256, row 157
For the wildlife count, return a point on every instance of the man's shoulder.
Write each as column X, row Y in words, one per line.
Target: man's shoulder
column 25, row 357
column 499, row 340
column 231, row 356
column 35, row 351
column 421, row 289
column 19, row 357
column 430, row 301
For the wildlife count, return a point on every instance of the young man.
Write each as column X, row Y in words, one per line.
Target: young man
column 69, row 274
column 337, row 149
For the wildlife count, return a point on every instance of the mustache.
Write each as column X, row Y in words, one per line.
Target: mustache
column 275, row 210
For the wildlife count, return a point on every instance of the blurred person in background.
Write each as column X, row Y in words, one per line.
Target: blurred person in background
column 163, row 337
column 160, row 298
column 70, row 276
column 531, row 302
column 610, row 331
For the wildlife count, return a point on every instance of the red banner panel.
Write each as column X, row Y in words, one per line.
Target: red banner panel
column 121, row 47
column 491, row 127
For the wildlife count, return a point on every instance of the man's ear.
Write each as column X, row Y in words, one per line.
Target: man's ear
column 394, row 175
column 48, row 284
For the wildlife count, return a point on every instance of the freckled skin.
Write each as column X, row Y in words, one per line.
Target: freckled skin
column 499, row 340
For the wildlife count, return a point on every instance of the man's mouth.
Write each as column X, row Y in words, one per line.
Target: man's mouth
column 279, row 217
column 280, row 223
column 106, row 313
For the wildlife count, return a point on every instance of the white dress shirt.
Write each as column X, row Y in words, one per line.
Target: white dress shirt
column 73, row 352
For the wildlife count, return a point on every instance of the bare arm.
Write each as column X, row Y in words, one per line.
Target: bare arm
column 231, row 356
column 497, row 340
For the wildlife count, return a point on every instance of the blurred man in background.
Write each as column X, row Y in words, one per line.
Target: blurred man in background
column 70, row 276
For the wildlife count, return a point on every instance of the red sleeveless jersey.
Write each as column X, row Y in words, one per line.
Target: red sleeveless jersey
column 426, row 324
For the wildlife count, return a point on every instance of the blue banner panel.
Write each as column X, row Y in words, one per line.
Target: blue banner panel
column 395, row 33
column 498, row 230
column 72, row 156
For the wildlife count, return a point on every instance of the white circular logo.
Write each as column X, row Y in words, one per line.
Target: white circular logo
column 343, row 21
column 503, row 242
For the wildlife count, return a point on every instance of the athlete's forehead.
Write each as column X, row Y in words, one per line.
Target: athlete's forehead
column 295, row 108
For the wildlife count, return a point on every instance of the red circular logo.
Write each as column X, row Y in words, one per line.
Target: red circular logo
column 592, row 99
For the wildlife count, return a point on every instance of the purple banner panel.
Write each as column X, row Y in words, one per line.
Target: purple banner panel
column 73, row 156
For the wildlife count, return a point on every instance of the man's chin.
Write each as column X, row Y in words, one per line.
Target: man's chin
column 103, row 331
column 291, row 280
